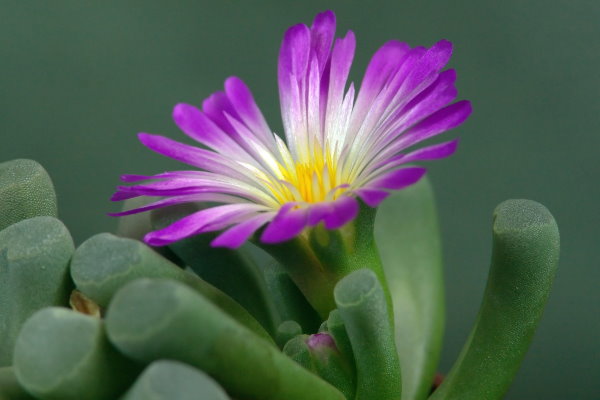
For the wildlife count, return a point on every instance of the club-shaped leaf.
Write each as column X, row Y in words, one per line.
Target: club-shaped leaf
column 524, row 260
column 104, row 263
column 26, row 191
column 63, row 354
column 172, row 380
column 407, row 234
column 34, row 261
column 362, row 304
column 232, row 271
column 150, row 320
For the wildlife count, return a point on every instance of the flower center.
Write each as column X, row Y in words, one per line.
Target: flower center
column 313, row 181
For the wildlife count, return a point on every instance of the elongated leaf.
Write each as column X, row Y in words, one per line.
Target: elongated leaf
column 62, row 354
column 104, row 263
column 524, row 260
column 26, row 191
column 172, row 380
column 407, row 234
column 34, row 261
column 150, row 320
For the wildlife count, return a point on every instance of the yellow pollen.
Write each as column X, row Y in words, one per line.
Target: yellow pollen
column 311, row 181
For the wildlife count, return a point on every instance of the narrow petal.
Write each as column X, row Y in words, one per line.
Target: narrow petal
column 427, row 67
column 287, row 224
column 372, row 197
column 198, row 126
column 318, row 211
column 242, row 100
column 235, row 236
column 383, row 64
column 341, row 61
column 194, row 223
column 433, row 152
column 321, row 37
column 343, row 210
column 294, row 53
column 398, row 179
column 216, row 106
column 201, row 158
column 445, row 119
column 193, row 198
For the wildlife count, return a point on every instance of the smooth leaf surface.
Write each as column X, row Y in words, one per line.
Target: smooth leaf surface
column 408, row 238
column 525, row 254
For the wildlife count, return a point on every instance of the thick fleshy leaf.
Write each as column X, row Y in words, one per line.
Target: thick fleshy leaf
column 525, row 252
column 408, row 238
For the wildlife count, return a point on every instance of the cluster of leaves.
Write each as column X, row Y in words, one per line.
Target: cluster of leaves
column 114, row 318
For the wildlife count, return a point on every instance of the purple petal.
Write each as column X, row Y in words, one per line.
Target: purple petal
column 194, row 223
column 372, row 197
column 170, row 174
column 425, row 69
column 287, row 224
column 341, row 61
column 434, row 152
column 215, row 107
column 177, row 200
column 201, row 158
column 445, row 119
column 398, row 179
column 321, row 37
column 242, row 100
column 383, row 64
column 235, row 236
column 294, row 53
column 344, row 210
column 199, row 127
column 318, row 211
column 439, row 94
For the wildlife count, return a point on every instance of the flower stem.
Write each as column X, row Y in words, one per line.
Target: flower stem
column 319, row 258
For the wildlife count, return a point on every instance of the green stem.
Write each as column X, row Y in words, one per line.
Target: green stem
column 318, row 259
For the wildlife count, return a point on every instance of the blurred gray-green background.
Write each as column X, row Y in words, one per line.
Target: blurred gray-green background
column 78, row 80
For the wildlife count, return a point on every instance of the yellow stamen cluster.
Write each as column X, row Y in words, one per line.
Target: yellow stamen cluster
column 312, row 181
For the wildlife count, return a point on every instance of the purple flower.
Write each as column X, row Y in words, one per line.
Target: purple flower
column 339, row 147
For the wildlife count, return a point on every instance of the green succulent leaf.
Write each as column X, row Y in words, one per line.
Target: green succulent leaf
column 232, row 271
column 10, row 388
column 150, row 320
column 362, row 304
column 62, row 354
column 408, row 238
column 104, row 263
column 525, row 254
column 34, row 261
column 26, row 191
column 172, row 380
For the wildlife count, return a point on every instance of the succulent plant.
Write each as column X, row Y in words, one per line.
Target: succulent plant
column 114, row 318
